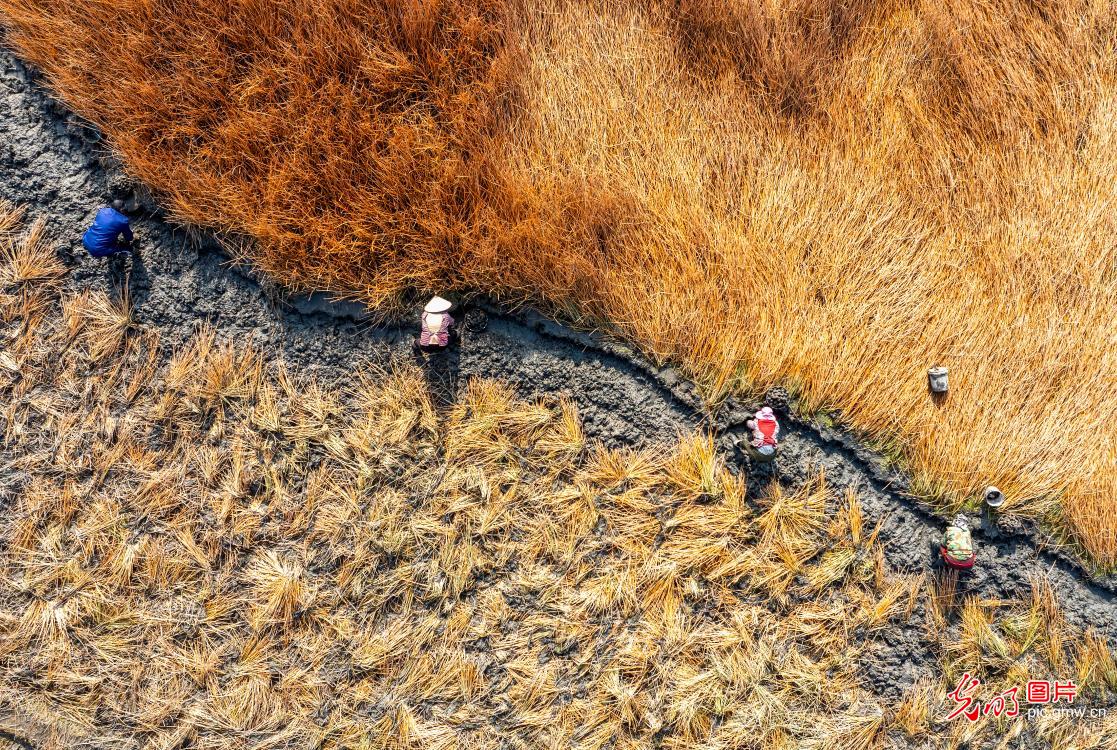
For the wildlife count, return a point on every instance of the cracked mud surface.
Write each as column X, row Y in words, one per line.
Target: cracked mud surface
column 56, row 166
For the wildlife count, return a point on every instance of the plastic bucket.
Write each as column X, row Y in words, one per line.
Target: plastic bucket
column 937, row 379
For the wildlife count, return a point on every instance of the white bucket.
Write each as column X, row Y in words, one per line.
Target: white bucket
column 936, row 376
column 994, row 498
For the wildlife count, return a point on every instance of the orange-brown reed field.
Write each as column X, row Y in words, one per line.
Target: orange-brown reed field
column 829, row 195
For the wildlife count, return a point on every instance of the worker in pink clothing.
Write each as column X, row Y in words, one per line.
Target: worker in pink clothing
column 437, row 326
column 765, row 435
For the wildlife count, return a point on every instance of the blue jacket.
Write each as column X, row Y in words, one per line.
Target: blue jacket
column 101, row 239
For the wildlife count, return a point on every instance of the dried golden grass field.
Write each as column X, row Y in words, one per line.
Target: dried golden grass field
column 207, row 551
column 829, row 195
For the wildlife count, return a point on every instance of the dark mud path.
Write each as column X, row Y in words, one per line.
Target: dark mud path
column 57, row 166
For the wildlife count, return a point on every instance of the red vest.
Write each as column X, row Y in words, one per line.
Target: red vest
column 767, row 428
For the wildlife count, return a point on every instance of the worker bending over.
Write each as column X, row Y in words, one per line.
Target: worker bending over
column 765, row 435
column 437, row 326
column 957, row 544
column 103, row 238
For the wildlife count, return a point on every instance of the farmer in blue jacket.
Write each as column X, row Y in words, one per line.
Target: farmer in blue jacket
column 103, row 238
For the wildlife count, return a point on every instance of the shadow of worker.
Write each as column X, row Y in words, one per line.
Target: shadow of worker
column 126, row 269
column 441, row 367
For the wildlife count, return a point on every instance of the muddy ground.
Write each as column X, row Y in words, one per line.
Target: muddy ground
column 57, row 166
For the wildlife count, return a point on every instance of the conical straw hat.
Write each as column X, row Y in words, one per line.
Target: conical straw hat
column 438, row 305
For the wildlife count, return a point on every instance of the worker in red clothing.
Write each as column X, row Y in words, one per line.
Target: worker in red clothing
column 765, row 435
column 437, row 326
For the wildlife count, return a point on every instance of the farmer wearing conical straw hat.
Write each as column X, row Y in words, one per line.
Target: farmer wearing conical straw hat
column 437, row 326
column 765, row 435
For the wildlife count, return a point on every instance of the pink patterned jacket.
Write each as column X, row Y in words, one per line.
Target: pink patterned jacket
column 436, row 329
